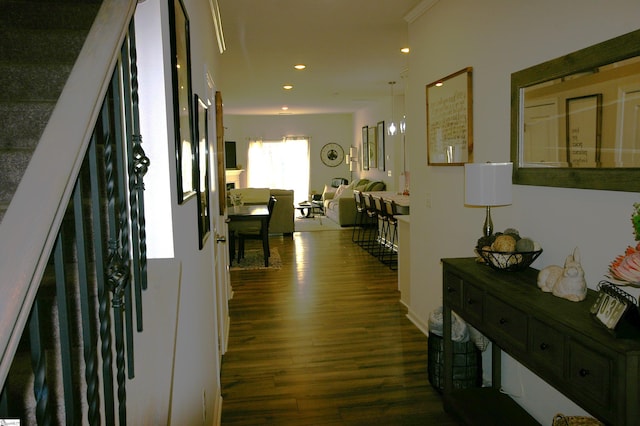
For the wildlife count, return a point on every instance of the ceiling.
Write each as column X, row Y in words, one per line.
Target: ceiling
column 351, row 49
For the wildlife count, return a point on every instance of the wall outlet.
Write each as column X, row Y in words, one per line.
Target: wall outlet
column 389, row 173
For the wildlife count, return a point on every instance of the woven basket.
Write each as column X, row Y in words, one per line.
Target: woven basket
column 508, row 261
column 562, row 420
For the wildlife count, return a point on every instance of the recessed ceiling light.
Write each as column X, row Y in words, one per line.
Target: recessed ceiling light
column 405, row 50
column 300, row 66
column 285, row 108
column 439, row 84
column 287, row 87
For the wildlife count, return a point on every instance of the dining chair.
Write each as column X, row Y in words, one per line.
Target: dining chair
column 257, row 233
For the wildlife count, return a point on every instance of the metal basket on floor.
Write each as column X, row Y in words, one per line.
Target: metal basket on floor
column 466, row 364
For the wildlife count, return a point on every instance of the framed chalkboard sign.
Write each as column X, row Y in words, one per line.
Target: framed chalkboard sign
column 450, row 120
column 616, row 310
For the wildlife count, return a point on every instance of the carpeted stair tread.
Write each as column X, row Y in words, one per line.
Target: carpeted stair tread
column 12, row 164
column 31, row 2
column 22, row 123
column 47, row 15
column 40, row 46
column 32, row 82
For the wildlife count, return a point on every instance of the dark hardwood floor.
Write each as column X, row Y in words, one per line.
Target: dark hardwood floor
column 324, row 341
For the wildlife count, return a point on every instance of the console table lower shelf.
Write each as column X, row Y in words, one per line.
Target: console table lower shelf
column 487, row 407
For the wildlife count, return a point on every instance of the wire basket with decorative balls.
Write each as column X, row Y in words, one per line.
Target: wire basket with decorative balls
column 507, row 251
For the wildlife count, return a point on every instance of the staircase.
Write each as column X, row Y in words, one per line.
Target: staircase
column 39, row 43
column 76, row 298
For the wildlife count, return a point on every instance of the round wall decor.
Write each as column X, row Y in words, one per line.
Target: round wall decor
column 332, row 154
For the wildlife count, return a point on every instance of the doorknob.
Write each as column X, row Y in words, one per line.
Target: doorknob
column 220, row 238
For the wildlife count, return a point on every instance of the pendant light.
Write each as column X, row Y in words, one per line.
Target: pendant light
column 392, row 126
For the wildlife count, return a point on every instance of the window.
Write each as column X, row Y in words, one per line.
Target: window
column 281, row 165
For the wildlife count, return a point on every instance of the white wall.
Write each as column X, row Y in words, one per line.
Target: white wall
column 195, row 386
column 320, row 128
column 497, row 38
column 370, row 116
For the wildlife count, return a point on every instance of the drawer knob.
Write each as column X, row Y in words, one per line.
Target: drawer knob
column 470, row 301
column 544, row 346
column 503, row 321
column 583, row 372
column 451, row 289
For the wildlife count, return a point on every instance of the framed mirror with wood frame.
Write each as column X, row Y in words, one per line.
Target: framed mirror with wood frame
column 573, row 119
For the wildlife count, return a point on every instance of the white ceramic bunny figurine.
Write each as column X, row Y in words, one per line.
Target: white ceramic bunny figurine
column 567, row 282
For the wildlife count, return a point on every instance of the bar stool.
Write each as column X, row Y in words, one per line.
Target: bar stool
column 383, row 226
column 370, row 237
column 361, row 217
column 392, row 242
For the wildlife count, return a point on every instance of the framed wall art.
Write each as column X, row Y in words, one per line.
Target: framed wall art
column 584, row 130
column 450, row 120
column 365, row 147
column 202, row 154
column 222, row 178
column 373, row 147
column 182, row 108
column 381, row 147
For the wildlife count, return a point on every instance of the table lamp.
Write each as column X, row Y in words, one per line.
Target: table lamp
column 488, row 184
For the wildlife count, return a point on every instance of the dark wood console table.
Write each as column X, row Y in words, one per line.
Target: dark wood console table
column 553, row 337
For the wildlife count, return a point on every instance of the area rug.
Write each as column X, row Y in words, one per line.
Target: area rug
column 254, row 259
column 316, row 223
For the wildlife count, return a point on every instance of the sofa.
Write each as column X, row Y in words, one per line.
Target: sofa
column 282, row 218
column 340, row 204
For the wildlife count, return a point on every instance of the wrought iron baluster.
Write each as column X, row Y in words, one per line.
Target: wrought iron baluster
column 103, row 292
column 127, row 81
column 4, row 404
column 86, row 311
column 39, row 363
column 141, row 161
column 122, row 215
column 72, row 410
column 117, row 273
column 118, row 276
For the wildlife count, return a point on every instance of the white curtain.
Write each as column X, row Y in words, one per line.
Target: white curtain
column 281, row 165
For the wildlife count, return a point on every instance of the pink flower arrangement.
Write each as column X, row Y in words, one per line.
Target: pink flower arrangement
column 626, row 267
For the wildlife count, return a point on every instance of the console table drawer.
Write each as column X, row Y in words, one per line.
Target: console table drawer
column 589, row 374
column 509, row 323
column 547, row 347
column 452, row 294
column 473, row 302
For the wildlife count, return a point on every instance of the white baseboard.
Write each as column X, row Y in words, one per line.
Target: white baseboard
column 218, row 410
column 422, row 326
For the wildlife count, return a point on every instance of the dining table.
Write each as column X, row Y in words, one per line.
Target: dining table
column 248, row 213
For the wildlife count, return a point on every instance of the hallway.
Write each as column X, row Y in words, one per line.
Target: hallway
column 324, row 341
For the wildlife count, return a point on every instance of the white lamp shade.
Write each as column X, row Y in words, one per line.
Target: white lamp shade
column 488, row 184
